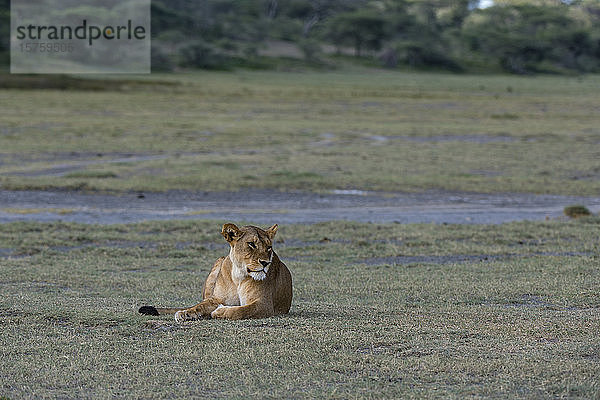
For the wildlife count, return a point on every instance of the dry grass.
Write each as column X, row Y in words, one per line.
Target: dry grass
column 519, row 326
column 377, row 130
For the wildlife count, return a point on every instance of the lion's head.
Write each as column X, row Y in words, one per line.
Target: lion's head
column 251, row 249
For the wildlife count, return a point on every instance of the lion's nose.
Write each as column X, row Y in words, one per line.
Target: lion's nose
column 264, row 263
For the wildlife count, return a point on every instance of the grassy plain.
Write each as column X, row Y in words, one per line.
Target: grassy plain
column 411, row 311
column 369, row 129
column 516, row 317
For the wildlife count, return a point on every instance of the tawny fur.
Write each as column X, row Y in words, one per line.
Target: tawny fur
column 250, row 282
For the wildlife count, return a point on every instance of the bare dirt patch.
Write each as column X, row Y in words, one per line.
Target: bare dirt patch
column 265, row 206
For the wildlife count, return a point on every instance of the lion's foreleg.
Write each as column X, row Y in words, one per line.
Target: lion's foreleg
column 252, row 310
column 200, row 310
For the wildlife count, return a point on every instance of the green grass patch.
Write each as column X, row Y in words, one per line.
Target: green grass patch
column 91, row 175
column 515, row 321
column 361, row 129
column 505, row 116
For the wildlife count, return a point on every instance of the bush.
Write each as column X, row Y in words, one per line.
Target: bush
column 200, row 54
column 311, row 49
column 576, row 211
column 419, row 55
column 160, row 60
column 530, row 38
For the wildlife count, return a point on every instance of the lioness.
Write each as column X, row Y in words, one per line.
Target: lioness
column 251, row 282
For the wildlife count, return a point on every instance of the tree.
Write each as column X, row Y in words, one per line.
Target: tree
column 4, row 25
column 528, row 38
column 362, row 29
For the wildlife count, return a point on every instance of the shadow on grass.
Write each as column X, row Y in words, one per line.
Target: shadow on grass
column 64, row 82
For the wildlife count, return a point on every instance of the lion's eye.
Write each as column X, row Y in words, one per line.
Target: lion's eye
column 252, row 245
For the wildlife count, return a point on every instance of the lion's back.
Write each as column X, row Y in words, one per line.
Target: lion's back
column 282, row 301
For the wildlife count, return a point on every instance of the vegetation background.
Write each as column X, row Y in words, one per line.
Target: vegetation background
column 548, row 36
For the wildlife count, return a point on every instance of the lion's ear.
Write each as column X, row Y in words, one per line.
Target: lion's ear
column 230, row 232
column 272, row 231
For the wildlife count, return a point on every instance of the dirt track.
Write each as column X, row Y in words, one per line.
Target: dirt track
column 264, row 207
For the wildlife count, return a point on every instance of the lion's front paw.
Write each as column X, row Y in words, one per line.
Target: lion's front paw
column 180, row 316
column 184, row 315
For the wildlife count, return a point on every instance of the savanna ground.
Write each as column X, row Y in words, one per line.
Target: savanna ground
column 370, row 130
column 380, row 310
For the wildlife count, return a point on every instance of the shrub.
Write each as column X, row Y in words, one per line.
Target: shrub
column 576, row 211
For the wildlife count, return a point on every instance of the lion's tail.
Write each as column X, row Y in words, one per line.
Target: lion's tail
column 151, row 310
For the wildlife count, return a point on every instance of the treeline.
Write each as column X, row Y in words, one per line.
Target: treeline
column 543, row 36
column 512, row 36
